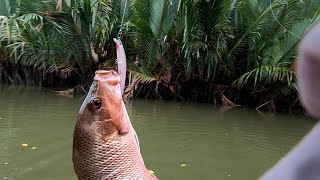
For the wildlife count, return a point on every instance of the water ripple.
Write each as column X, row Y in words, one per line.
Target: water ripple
column 212, row 144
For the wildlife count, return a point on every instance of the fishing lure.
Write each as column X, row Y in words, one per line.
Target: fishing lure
column 122, row 63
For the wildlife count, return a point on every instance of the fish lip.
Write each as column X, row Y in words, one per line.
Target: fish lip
column 111, row 77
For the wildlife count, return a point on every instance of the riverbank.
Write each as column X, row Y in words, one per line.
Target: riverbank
column 226, row 95
column 219, row 52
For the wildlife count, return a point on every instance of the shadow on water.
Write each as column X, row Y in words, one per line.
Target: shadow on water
column 208, row 143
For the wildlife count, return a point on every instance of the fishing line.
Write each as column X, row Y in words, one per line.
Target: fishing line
column 121, row 55
column 121, row 25
column 275, row 18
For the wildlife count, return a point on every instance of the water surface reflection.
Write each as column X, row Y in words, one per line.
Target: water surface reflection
column 237, row 144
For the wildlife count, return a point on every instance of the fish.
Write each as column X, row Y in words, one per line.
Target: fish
column 303, row 161
column 121, row 62
column 105, row 144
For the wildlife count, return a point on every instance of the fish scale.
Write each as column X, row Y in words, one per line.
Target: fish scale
column 100, row 151
column 117, row 156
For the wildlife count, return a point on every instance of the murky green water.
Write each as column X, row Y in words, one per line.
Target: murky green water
column 212, row 144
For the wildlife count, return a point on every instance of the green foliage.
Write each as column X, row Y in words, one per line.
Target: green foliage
column 39, row 35
column 206, row 35
column 270, row 54
column 251, row 43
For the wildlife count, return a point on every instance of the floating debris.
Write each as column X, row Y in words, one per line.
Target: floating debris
column 5, row 163
column 24, row 145
column 69, row 92
column 34, row 148
column 183, row 165
column 5, row 177
column 152, row 172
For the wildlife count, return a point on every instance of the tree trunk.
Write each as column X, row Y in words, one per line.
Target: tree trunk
column 27, row 76
column 18, row 79
column 7, row 77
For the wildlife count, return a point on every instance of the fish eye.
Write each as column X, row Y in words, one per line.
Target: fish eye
column 96, row 102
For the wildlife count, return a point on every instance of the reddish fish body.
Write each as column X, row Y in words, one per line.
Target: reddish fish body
column 105, row 145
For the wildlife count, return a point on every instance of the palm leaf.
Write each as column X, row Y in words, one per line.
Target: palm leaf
column 266, row 75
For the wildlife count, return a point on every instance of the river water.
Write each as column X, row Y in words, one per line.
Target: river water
column 184, row 141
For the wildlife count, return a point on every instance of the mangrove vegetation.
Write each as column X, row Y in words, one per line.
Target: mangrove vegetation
column 218, row 51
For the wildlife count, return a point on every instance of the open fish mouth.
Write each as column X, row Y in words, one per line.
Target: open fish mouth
column 109, row 77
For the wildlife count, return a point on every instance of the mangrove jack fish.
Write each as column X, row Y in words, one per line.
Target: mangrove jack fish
column 122, row 63
column 105, row 145
column 303, row 162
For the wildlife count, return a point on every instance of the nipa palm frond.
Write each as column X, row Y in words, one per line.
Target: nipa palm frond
column 266, row 75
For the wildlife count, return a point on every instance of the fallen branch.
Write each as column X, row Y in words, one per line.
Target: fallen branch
column 227, row 102
column 69, row 92
column 266, row 103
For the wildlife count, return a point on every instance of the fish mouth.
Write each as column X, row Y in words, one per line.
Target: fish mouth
column 110, row 77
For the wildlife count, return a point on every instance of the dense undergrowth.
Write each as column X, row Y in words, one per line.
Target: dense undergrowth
column 218, row 51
